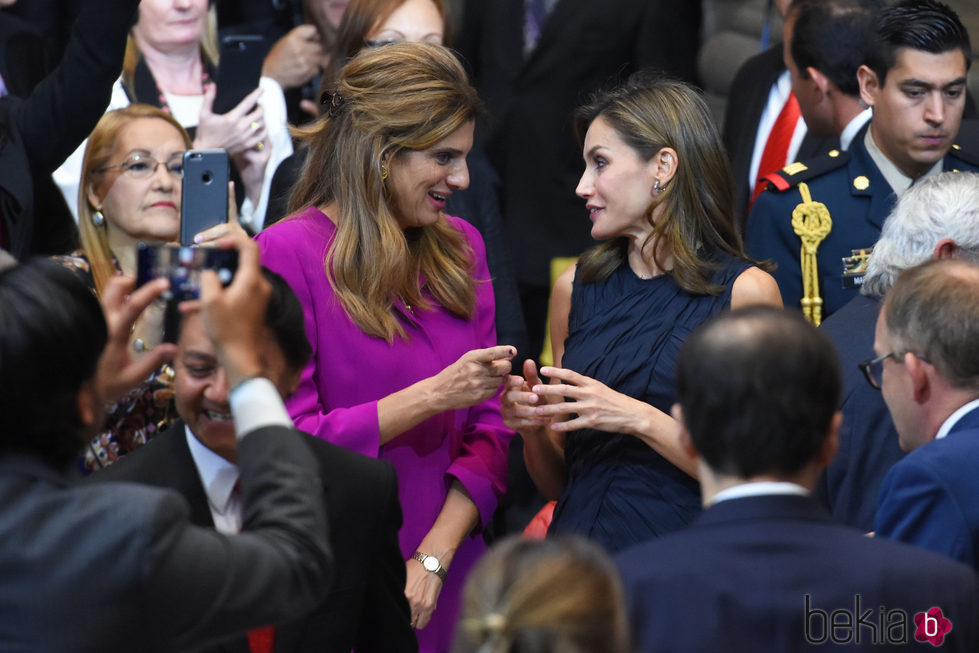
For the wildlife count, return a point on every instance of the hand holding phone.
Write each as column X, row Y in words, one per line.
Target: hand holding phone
column 204, row 193
column 241, row 67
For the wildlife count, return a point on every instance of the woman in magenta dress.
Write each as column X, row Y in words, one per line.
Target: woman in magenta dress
column 399, row 309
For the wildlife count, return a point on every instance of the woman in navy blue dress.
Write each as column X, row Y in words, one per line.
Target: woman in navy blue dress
column 600, row 437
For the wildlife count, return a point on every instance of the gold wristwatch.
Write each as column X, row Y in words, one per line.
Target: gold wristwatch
column 431, row 563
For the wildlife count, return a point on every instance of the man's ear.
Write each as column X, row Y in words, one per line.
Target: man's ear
column 945, row 248
column 291, row 382
column 683, row 435
column 820, row 80
column 89, row 409
column 869, row 85
column 920, row 379
column 827, row 451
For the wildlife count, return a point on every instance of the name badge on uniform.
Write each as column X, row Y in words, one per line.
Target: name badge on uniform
column 855, row 267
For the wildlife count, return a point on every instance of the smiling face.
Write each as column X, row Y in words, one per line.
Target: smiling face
column 918, row 110
column 617, row 185
column 201, row 388
column 421, row 180
column 147, row 209
column 415, row 21
column 167, row 24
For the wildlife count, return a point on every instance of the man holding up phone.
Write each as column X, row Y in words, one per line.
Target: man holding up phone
column 122, row 567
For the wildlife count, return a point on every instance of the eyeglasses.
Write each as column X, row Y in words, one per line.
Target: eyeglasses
column 873, row 368
column 140, row 165
column 400, row 38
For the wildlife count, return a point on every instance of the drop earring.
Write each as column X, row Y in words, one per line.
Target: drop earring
column 97, row 218
column 656, row 188
column 384, row 172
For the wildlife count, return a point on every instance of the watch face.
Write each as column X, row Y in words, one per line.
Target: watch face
column 431, row 563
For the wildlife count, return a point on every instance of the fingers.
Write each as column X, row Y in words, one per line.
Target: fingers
column 491, row 354
column 309, row 107
column 308, row 32
column 564, row 375
column 121, row 308
column 530, row 372
column 146, row 365
column 215, row 233
column 210, row 91
column 247, row 106
column 232, row 204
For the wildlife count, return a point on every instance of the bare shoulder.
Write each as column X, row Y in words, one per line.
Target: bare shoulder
column 564, row 283
column 755, row 286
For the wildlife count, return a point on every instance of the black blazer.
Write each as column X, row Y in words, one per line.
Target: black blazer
column 113, row 568
column 529, row 138
column 366, row 609
column 742, row 576
column 746, row 101
column 38, row 134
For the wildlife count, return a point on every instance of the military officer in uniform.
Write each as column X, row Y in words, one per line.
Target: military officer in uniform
column 821, row 217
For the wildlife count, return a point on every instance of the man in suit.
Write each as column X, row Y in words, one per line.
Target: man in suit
column 366, row 609
column 764, row 568
column 760, row 90
column 927, row 367
column 936, row 218
column 825, row 43
column 914, row 79
column 99, row 568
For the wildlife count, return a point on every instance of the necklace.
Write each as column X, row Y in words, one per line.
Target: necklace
column 165, row 106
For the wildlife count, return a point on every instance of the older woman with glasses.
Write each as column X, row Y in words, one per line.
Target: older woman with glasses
column 129, row 193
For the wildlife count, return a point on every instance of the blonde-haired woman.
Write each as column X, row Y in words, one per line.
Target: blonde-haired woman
column 129, row 193
column 399, row 309
column 171, row 63
column 658, row 190
column 561, row 595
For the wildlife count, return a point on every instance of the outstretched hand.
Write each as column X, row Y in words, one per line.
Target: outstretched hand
column 594, row 405
column 234, row 317
column 118, row 372
column 519, row 402
column 474, row 378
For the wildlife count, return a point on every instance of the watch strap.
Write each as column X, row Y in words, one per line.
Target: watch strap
column 438, row 571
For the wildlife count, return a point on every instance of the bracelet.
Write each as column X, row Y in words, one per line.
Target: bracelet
column 431, row 563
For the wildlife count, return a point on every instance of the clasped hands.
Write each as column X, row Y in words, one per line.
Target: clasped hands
column 570, row 402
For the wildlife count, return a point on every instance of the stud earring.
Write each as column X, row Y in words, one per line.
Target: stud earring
column 97, row 218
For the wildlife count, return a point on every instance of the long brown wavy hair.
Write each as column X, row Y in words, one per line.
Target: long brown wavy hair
column 396, row 98
column 650, row 112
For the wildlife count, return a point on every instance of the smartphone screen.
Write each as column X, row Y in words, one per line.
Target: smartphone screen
column 204, row 193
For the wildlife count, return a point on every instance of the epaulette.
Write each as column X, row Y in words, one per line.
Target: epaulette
column 798, row 172
column 958, row 152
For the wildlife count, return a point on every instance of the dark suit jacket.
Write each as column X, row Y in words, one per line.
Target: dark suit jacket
column 868, row 441
column 738, row 578
column 37, row 134
column 529, row 139
column 119, row 568
column 929, row 498
column 366, row 609
column 858, row 198
column 748, row 97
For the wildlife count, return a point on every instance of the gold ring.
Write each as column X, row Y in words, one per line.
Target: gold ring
column 259, row 146
column 254, row 124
